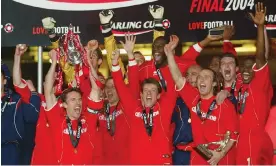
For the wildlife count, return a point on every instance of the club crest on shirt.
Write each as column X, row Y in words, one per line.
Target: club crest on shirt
column 103, row 117
column 139, row 114
column 211, row 117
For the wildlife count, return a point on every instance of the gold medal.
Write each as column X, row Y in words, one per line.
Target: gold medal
column 75, row 151
column 189, row 120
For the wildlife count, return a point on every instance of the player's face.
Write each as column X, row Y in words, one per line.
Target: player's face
column 73, row 105
column 150, row 95
column 95, row 61
column 205, row 82
column 158, row 51
column 192, row 74
column 215, row 64
column 247, row 71
column 140, row 59
column 228, row 68
column 110, row 92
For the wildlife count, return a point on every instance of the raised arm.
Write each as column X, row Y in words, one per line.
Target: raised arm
column 266, row 44
column 157, row 13
column 49, row 82
column 109, row 40
column 175, row 72
column 20, row 85
column 49, row 25
column 17, row 75
column 259, row 20
column 193, row 52
column 126, row 98
column 228, row 47
column 133, row 73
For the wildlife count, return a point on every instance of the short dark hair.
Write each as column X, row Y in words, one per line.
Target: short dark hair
column 215, row 79
column 137, row 52
column 99, row 53
column 64, row 94
column 151, row 81
column 231, row 56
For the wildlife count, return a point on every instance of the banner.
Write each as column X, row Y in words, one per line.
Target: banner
column 189, row 19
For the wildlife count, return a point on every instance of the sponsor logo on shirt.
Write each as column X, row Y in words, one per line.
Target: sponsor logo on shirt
column 211, row 117
column 103, row 117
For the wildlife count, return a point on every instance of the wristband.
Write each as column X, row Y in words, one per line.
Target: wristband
column 51, row 31
column 106, row 26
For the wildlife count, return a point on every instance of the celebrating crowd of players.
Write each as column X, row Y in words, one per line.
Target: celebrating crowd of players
column 165, row 111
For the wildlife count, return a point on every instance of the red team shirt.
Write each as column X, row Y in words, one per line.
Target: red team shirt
column 43, row 140
column 223, row 118
column 64, row 150
column 254, row 144
column 143, row 148
column 115, row 149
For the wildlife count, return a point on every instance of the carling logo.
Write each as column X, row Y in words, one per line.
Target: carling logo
column 82, row 5
column 136, row 27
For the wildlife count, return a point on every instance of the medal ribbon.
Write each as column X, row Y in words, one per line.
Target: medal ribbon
column 110, row 121
column 242, row 100
column 148, row 121
column 74, row 140
column 210, row 110
column 162, row 80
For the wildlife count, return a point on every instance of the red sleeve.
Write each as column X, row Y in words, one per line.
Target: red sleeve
column 192, row 53
column 188, row 93
column 183, row 65
column 230, row 119
column 261, row 78
column 133, row 78
column 95, row 105
column 25, row 92
column 53, row 114
column 126, row 98
column 186, row 148
column 228, row 48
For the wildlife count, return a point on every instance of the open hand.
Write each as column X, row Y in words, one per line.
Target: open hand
column 129, row 42
column 228, row 32
column 260, row 12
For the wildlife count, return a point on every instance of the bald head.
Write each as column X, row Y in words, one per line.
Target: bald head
column 192, row 73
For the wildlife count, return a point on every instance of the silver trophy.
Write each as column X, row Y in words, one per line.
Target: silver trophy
column 74, row 56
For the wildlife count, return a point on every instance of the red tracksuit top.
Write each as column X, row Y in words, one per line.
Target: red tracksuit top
column 144, row 149
column 115, row 148
column 85, row 87
column 254, row 142
column 148, row 69
column 222, row 119
column 43, row 140
column 64, row 150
